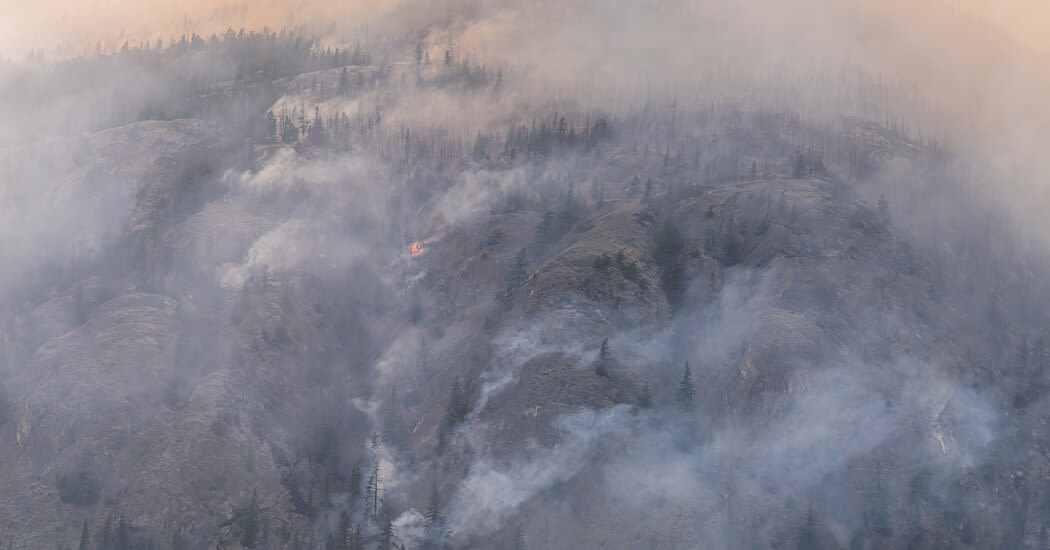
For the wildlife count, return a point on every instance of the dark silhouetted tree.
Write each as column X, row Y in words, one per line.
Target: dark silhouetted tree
column 686, row 392
column 342, row 531
column 344, row 82
column 250, row 522
column 85, row 539
column 435, row 519
column 393, row 423
column 646, row 400
column 521, row 265
column 386, row 537
column 105, row 534
column 519, row 542
column 457, row 405
column 122, row 536
column 373, row 492
column 601, row 368
column 807, row 539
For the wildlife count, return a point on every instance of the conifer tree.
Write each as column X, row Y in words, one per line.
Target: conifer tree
column 393, row 424
column 356, row 540
column 646, row 400
column 686, row 392
column 250, row 522
column 342, row 532
column 344, row 82
column 457, row 406
column 85, row 540
column 520, row 272
column 435, row 520
column 386, row 538
column 355, row 480
column 373, row 492
column 604, row 359
column 122, row 537
column 105, row 535
column 807, row 540
column 519, row 538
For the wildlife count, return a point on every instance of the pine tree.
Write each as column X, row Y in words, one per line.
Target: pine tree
column 344, row 82
column 85, row 539
column 807, row 539
column 317, row 137
column 386, row 539
column 356, row 540
column 646, row 401
column 393, row 424
column 434, row 515
column 435, row 520
column 457, row 406
column 355, row 480
column 686, row 392
column 373, row 496
column 105, row 535
column 250, row 522
column 520, row 272
column 519, row 538
column 423, row 354
column 122, row 537
column 271, row 127
column 604, row 359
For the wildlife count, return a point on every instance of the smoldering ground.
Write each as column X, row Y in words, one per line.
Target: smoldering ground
column 863, row 372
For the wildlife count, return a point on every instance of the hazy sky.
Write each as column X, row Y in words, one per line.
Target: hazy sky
column 70, row 26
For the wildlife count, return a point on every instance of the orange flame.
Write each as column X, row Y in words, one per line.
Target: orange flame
column 417, row 248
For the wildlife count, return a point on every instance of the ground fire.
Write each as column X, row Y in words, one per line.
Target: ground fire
column 417, row 248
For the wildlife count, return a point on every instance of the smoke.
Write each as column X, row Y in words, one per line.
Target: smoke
column 492, row 492
column 835, row 346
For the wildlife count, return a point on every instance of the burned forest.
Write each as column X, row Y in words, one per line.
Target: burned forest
column 667, row 274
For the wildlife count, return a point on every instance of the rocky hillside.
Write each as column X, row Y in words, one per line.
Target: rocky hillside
column 271, row 317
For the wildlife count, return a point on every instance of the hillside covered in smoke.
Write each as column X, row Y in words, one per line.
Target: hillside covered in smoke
column 564, row 275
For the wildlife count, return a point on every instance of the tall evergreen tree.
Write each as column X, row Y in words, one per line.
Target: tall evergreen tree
column 344, row 82
column 521, row 265
column 357, row 541
column 373, row 492
column 457, row 406
column 646, row 400
column 122, row 537
column 105, row 534
column 807, row 539
column 393, row 424
column 436, row 526
column 386, row 538
column 601, row 368
column 355, row 480
column 250, row 522
column 423, row 354
column 684, row 398
column 85, row 539
column 519, row 539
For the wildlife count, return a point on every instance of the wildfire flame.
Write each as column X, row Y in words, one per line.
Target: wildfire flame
column 417, row 248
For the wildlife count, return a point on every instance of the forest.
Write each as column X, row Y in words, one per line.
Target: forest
column 483, row 275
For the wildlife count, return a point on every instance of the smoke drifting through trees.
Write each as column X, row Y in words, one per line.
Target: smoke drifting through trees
column 778, row 261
